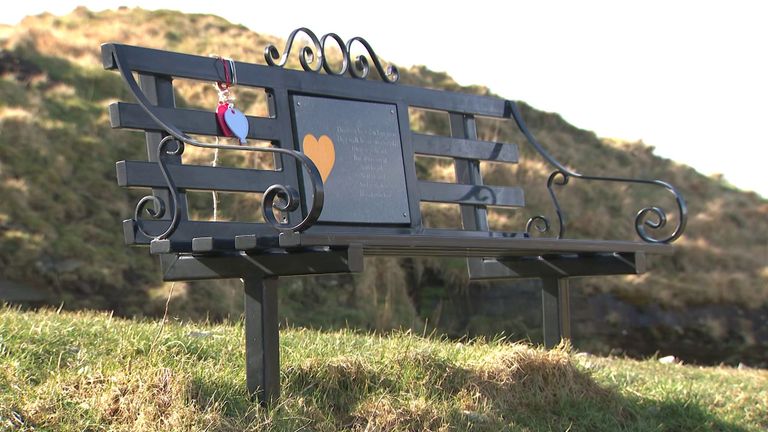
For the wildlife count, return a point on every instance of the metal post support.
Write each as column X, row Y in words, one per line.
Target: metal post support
column 262, row 340
column 556, row 309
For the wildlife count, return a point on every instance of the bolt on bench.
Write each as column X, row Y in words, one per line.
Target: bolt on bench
column 345, row 185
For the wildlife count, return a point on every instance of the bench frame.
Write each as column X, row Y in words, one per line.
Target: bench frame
column 295, row 240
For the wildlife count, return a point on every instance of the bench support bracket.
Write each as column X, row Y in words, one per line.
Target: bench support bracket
column 262, row 343
column 556, row 309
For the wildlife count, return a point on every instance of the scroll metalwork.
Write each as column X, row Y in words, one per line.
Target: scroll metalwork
column 539, row 222
column 160, row 206
column 652, row 217
column 277, row 197
column 307, row 56
column 360, row 68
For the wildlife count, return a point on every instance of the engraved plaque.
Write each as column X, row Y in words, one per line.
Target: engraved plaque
column 356, row 147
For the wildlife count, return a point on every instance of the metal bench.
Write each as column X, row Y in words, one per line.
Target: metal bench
column 345, row 185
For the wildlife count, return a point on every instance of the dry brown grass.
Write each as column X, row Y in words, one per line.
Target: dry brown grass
column 94, row 372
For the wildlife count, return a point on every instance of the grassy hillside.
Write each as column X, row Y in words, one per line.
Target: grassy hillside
column 60, row 208
column 87, row 371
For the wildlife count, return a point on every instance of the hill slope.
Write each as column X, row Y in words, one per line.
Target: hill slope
column 60, row 207
column 92, row 371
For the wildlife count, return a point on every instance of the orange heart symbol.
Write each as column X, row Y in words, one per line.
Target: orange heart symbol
column 322, row 153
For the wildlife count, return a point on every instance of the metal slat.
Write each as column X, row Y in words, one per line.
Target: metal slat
column 209, row 69
column 477, row 243
column 132, row 116
column 569, row 265
column 199, row 177
column 467, row 171
column 436, row 145
column 182, row 237
column 237, row 265
column 501, row 196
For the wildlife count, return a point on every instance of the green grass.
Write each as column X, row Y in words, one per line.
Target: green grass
column 89, row 371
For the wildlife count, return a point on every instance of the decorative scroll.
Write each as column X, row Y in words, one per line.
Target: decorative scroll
column 360, row 68
column 307, row 56
column 652, row 217
column 276, row 197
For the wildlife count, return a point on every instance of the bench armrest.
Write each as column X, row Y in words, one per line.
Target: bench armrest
column 653, row 217
column 284, row 198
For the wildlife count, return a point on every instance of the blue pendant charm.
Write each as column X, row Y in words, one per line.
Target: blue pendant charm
column 237, row 123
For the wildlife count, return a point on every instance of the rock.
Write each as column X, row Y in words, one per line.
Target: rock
column 670, row 359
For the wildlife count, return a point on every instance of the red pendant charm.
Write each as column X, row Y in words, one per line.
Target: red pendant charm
column 220, row 110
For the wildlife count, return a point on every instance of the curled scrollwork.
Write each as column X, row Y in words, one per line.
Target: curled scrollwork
column 159, row 207
column 282, row 198
column 653, row 217
column 642, row 219
column 156, row 212
column 307, row 56
column 344, row 57
column 539, row 223
column 278, row 197
column 360, row 68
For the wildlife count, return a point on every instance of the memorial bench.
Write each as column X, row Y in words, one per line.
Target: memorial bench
column 344, row 185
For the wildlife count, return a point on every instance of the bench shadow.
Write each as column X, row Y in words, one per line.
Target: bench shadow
column 355, row 395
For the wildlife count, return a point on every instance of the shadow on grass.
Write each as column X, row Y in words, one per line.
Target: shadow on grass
column 429, row 392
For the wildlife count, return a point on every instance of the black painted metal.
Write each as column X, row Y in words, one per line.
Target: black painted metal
column 357, row 69
column 277, row 197
column 159, row 91
column 179, row 267
column 262, row 339
column 259, row 273
column 556, row 310
column 367, row 182
column 196, row 177
column 132, row 116
column 207, row 69
column 561, row 176
column 576, row 264
column 369, row 202
column 436, row 242
column 436, row 145
column 283, row 84
column 473, row 217
column 472, row 194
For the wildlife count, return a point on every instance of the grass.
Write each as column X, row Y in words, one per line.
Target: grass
column 90, row 371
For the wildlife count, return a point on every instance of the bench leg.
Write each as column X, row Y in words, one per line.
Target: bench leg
column 556, row 308
column 262, row 343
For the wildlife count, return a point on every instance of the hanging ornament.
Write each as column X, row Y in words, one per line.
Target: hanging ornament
column 233, row 122
column 220, row 118
column 237, row 123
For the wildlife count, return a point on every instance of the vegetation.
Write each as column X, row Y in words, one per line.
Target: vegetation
column 89, row 371
column 60, row 206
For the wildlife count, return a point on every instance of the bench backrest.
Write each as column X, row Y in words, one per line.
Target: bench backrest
column 357, row 131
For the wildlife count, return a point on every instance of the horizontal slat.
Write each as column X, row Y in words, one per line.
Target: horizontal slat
column 277, row 263
column 437, row 145
column 132, row 116
column 573, row 265
column 502, row 196
column 435, row 242
column 209, row 69
column 381, row 241
column 188, row 230
column 197, row 177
